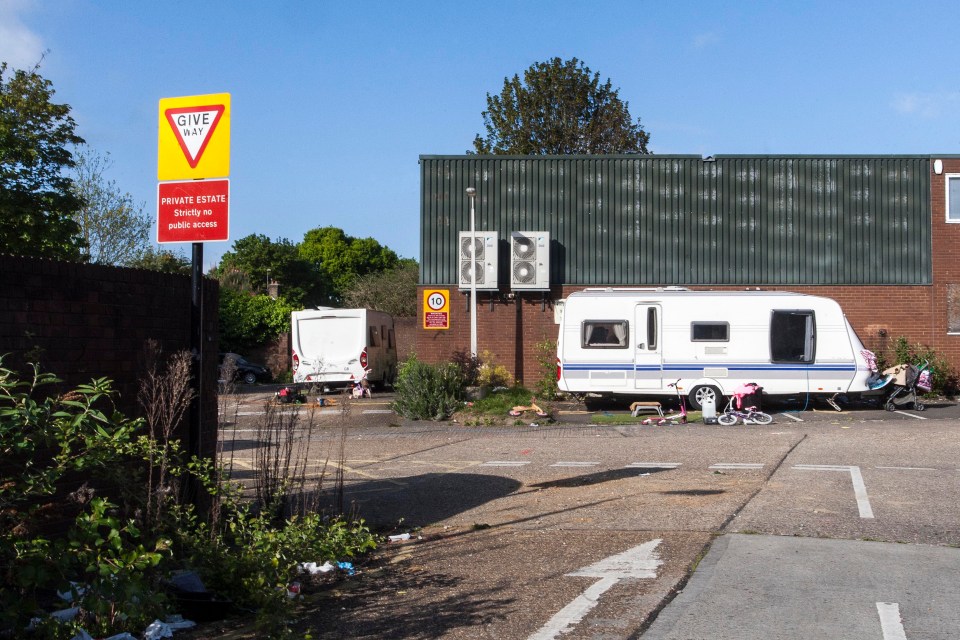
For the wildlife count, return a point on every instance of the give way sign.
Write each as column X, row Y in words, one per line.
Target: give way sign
column 194, row 137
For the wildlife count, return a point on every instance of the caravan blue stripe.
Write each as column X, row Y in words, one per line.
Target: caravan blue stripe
column 607, row 366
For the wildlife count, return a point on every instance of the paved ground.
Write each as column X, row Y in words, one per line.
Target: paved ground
column 580, row 531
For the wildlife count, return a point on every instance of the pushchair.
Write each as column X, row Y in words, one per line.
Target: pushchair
column 906, row 380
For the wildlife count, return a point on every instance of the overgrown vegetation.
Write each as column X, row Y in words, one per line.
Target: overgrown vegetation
column 944, row 378
column 93, row 505
column 545, row 385
column 428, row 392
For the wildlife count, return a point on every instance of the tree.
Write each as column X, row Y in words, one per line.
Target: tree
column 248, row 321
column 115, row 229
column 341, row 259
column 393, row 291
column 559, row 108
column 162, row 260
column 37, row 202
column 260, row 259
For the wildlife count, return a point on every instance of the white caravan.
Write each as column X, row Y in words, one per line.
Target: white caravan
column 333, row 347
column 637, row 341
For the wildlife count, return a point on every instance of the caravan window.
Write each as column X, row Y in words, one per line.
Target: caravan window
column 605, row 334
column 391, row 341
column 793, row 336
column 374, row 336
column 710, row 331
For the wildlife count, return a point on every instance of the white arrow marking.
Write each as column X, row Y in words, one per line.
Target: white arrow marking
column 890, row 621
column 639, row 562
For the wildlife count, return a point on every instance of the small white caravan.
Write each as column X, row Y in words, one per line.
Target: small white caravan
column 621, row 342
column 333, row 347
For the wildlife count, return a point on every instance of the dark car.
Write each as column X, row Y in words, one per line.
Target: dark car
column 243, row 370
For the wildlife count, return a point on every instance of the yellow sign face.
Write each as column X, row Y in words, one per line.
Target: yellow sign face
column 194, row 140
column 436, row 309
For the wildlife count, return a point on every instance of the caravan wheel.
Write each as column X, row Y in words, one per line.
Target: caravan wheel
column 704, row 392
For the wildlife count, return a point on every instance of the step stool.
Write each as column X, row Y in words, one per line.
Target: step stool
column 637, row 407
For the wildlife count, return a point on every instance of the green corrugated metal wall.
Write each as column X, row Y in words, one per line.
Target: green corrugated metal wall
column 729, row 220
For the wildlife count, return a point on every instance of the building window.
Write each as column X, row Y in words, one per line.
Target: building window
column 953, row 197
column 605, row 334
column 710, row 331
column 793, row 336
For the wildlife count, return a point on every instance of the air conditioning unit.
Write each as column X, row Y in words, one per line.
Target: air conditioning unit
column 480, row 256
column 530, row 260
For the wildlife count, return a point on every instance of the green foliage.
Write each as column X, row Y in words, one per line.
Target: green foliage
column 342, row 259
column 114, row 562
column 114, row 227
column 427, row 392
column 545, row 385
column 163, row 261
column 253, row 559
column 491, row 374
column 559, row 108
column 393, row 291
column 261, row 259
column 37, row 202
column 247, row 321
column 499, row 403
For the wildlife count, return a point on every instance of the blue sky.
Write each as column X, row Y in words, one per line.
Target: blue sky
column 333, row 102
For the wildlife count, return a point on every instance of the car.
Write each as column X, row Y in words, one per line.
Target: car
column 243, row 370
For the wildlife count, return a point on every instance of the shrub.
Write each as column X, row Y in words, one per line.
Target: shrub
column 427, row 392
column 491, row 374
column 546, row 385
column 469, row 366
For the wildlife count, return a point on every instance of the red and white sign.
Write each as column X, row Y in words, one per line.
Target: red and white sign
column 193, row 211
column 193, row 127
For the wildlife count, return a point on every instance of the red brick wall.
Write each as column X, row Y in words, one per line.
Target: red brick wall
column 510, row 329
column 93, row 321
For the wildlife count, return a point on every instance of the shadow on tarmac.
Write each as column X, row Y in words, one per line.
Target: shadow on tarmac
column 417, row 500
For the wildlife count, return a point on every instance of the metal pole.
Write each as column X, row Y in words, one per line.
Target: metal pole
column 472, row 194
column 196, row 346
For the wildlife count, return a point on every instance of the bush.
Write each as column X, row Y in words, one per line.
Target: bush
column 491, row 374
column 247, row 321
column 427, row 392
column 90, row 506
column 546, row 385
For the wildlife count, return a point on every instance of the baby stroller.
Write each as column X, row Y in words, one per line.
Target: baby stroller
column 906, row 379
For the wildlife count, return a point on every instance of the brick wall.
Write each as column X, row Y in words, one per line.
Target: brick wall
column 92, row 321
column 880, row 314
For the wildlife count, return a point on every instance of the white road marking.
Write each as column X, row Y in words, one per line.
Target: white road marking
column 859, row 488
column 653, row 465
column 639, row 562
column 575, row 464
column 909, row 468
column 792, row 417
column 912, row 415
column 737, row 465
column 505, row 463
column 890, row 621
column 376, row 411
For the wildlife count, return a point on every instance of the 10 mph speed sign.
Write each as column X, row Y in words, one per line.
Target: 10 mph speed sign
column 436, row 309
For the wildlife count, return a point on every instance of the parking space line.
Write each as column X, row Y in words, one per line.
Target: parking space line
column 653, row 465
column 376, row 411
column 505, row 463
column 909, row 468
column 575, row 464
column 737, row 465
column 792, row 417
column 912, row 415
column 891, row 623
column 859, row 488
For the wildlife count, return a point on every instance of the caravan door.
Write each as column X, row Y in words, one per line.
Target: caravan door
column 648, row 353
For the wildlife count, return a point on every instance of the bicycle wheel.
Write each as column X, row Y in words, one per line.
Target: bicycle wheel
column 727, row 419
column 761, row 418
